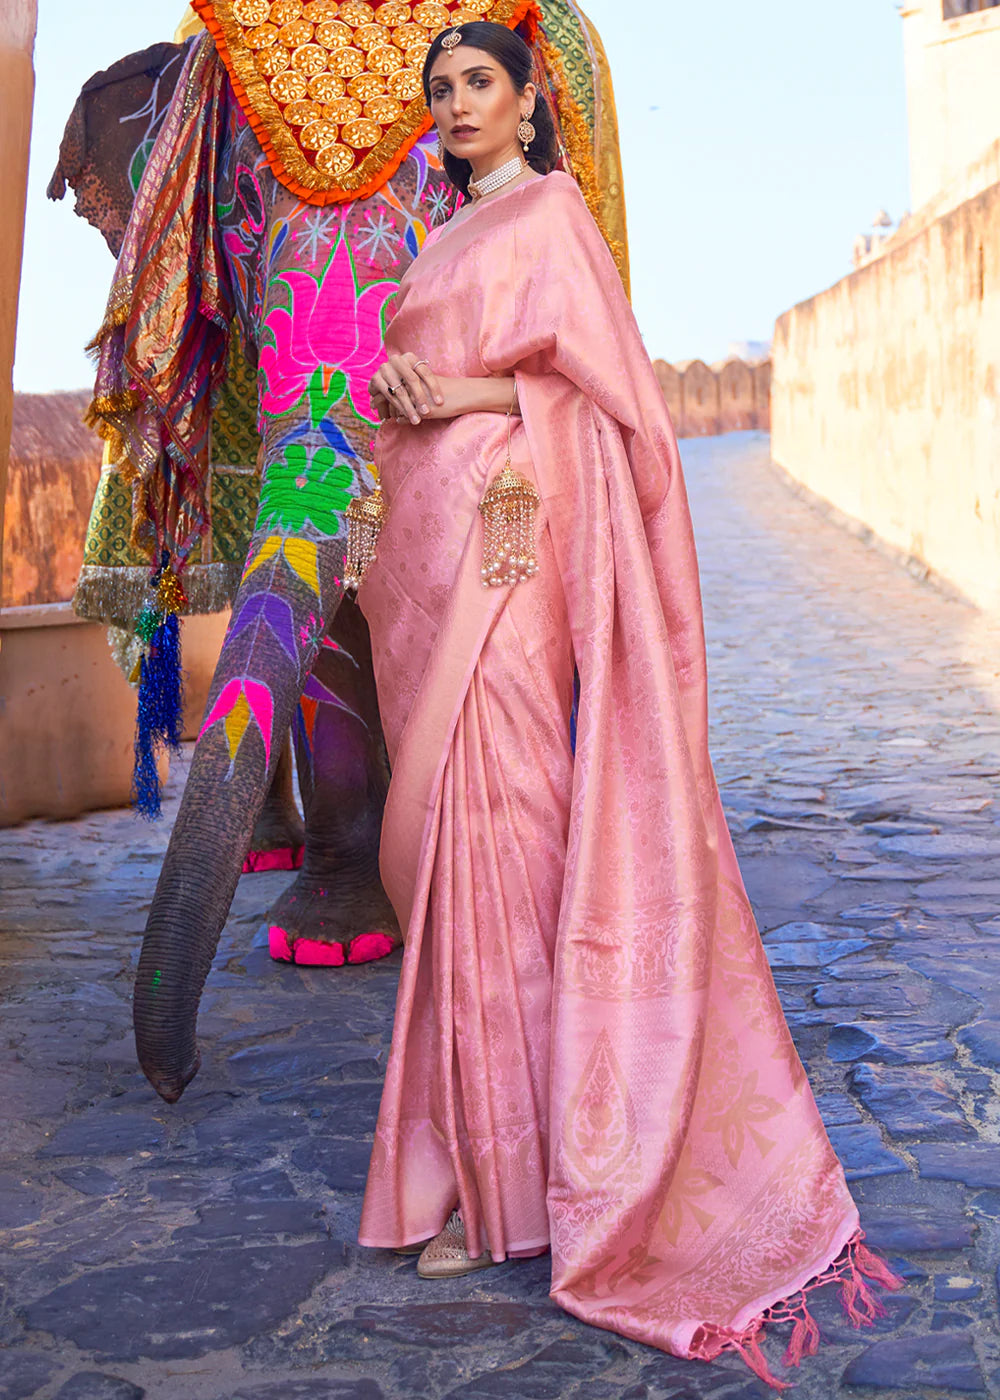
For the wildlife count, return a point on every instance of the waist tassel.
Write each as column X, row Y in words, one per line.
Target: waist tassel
column 365, row 518
column 508, row 511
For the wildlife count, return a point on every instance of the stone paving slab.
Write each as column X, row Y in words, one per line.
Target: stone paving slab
column 206, row 1251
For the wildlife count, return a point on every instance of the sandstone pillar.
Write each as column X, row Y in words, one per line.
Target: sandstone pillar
column 18, row 21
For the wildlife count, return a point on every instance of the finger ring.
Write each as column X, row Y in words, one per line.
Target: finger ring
column 418, row 363
column 393, row 387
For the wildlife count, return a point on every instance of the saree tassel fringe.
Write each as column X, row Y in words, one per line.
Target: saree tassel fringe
column 365, row 518
column 852, row 1270
column 508, row 511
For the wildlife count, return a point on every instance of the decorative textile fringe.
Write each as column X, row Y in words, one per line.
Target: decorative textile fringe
column 508, row 511
column 158, row 672
column 365, row 518
column 158, row 715
column 116, row 314
column 126, row 650
column 855, row 1264
column 116, row 595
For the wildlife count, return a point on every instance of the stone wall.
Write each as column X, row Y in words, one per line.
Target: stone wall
column 886, row 397
column 52, row 474
column 952, row 62
column 706, row 400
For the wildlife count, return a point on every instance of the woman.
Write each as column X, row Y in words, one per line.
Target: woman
column 588, row 1051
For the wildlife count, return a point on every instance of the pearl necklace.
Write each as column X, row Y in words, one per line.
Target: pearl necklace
column 496, row 178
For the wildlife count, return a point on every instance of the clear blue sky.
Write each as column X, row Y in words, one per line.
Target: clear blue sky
column 757, row 140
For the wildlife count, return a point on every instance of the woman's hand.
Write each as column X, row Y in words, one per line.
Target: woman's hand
column 405, row 387
column 420, row 393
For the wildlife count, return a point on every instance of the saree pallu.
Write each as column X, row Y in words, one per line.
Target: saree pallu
column 589, row 1051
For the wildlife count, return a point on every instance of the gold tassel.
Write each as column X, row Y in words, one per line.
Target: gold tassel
column 508, row 511
column 365, row 518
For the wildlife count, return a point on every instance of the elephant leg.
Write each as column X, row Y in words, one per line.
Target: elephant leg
column 336, row 911
column 279, row 834
column 290, row 585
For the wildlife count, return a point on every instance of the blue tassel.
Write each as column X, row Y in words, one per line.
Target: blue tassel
column 159, row 715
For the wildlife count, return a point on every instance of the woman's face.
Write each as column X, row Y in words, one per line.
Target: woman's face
column 475, row 106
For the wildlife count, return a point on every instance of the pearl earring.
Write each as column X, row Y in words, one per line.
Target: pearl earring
column 526, row 132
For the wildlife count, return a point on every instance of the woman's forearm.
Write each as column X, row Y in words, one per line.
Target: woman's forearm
column 488, row 395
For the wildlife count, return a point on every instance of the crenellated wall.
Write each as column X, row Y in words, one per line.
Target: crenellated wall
column 886, row 396
column 706, row 400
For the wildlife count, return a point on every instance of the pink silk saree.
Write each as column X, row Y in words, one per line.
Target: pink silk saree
column 588, row 1051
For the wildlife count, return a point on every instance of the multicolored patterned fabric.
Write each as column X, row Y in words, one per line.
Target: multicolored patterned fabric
column 333, row 88
column 114, row 578
column 162, row 350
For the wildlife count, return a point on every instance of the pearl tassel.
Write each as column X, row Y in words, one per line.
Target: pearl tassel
column 508, row 511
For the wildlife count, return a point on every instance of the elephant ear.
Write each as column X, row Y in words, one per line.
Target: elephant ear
column 110, row 134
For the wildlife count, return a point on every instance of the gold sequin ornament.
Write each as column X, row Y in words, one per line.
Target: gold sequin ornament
column 251, row 11
column 262, row 37
column 392, row 12
column 366, row 86
column 326, row 87
column 170, row 595
column 289, row 87
column 431, row 14
column 273, row 61
column 365, row 518
column 404, row 36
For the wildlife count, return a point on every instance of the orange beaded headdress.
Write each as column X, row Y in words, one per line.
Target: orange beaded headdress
column 332, row 88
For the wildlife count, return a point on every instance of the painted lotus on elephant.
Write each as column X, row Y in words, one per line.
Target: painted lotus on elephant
column 324, row 338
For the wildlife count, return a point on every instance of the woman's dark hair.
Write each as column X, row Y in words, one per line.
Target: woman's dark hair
column 510, row 50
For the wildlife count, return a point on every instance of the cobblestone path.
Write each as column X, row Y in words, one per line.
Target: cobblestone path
column 205, row 1251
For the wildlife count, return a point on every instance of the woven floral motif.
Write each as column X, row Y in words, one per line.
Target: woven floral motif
column 333, row 88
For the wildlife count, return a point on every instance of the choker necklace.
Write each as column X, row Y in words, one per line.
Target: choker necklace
column 493, row 181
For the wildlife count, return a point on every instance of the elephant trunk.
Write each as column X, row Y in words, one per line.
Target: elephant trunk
column 272, row 641
column 189, row 910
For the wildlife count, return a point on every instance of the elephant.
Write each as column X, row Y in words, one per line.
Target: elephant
column 236, row 267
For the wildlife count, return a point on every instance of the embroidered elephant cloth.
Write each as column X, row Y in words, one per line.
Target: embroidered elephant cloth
column 216, row 242
column 588, row 1051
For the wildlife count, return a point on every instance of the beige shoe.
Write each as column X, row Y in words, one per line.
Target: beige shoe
column 446, row 1255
